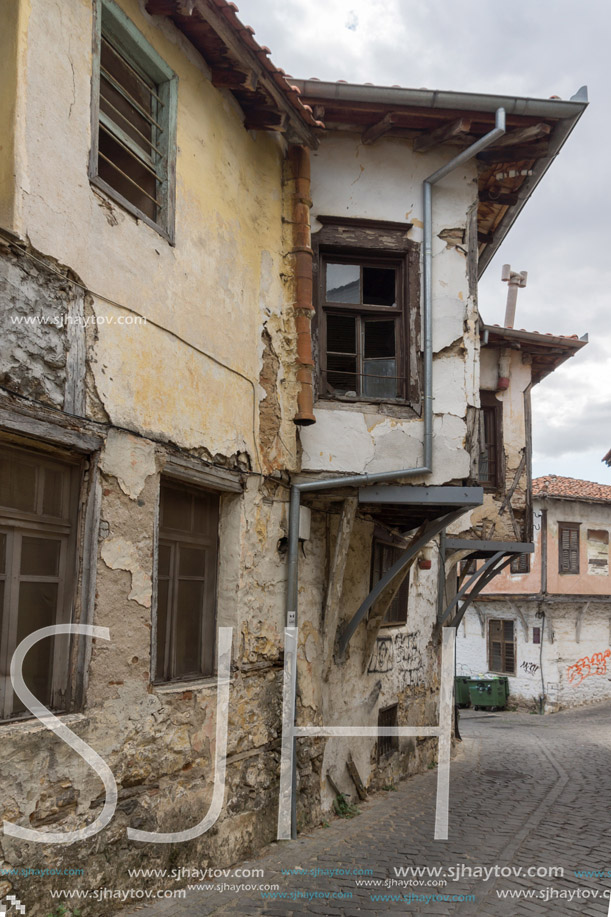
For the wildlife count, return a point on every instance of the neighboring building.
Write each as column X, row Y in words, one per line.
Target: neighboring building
column 159, row 395
column 546, row 623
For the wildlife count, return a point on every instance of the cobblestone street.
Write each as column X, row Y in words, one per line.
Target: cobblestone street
column 527, row 792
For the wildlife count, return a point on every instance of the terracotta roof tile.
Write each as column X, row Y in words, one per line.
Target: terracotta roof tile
column 552, row 485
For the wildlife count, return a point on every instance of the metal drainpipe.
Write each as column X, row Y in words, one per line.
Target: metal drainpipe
column 382, row 477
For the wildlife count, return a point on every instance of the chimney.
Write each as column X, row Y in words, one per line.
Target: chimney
column 514, row 281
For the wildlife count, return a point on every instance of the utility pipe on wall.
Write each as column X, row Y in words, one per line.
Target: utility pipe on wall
column 383, row 476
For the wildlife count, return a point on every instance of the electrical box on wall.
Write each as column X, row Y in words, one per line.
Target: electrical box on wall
column 305, row 519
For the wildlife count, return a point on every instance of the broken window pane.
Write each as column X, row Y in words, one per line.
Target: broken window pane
column 379, row 363
column 379, row 286
column 342, row 374
column 343, row 283
column 341, row 334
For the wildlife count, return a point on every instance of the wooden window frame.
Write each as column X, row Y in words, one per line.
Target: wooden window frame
column 386, row 540
column 372, row 243
column 568, row 527
column 17, row 525
column 387, row 745
column 520, row 564
column 492, row 407
column 173, row 539
column 504, row 670
column 141, row 55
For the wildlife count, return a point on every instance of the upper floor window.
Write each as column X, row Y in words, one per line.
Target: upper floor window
column 363, row 323
column 568, row 547
column 134, row 120
column 490, row 441
column 384, row 556
column 38, row 511
column 186, row 582
column 368, row 310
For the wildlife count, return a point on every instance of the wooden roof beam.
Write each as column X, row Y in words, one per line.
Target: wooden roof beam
column 505, row 198
column 516, row 154
column 441, row 134
column 377, row 130
column 234, row 79
column 524, row 135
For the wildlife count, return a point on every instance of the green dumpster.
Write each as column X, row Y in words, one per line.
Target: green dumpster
column 461, row 690
column 489, row 691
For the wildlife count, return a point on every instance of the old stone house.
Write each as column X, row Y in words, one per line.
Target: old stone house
column 545, row 622
column 223, row 291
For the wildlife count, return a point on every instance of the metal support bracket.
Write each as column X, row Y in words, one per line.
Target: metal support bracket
column 431, row 530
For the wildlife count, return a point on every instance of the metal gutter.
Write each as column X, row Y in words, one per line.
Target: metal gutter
column 290, row 693
column 566, row 113
column 441, row 99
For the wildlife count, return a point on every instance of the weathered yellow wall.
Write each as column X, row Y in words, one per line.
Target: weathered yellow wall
column 14, row 15
column 214, row 288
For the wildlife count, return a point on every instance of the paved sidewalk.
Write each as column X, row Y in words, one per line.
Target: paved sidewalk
column 526, row 792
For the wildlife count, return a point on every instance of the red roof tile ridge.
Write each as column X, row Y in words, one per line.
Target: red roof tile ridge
column 553, row 485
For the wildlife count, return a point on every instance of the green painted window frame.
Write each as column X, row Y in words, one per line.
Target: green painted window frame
column 137, row 51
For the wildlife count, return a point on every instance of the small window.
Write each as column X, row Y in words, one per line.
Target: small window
column 186, row 582
column 501, row 647
column 384, row 556
column 537, row 635
column 387, row 745
column 568, row 547
column 520, row 564
column 365, row 339
column 38, row 508
column 134, row 107
column 490, row 441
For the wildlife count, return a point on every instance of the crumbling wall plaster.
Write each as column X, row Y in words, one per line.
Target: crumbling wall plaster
column 210, row 289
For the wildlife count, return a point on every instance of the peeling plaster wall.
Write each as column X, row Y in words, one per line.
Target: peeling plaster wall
column 505, row 512
column 214, row 288
column 159, row 740
column 574, row 672
column 384, row 181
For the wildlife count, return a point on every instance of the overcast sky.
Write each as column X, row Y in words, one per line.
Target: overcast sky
column 562, row 237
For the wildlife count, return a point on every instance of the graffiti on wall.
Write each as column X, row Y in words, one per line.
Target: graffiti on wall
column 531, row 668
column 399, row 652
column 596, row 664
column 383, row 658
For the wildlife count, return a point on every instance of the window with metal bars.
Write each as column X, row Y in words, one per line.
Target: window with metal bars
column 501, row 647
column 134, row 120
column 384, row 556
column 388, row 716
column 568, row 547
column 363, row 329
column 38, row 511
column 185, row 631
